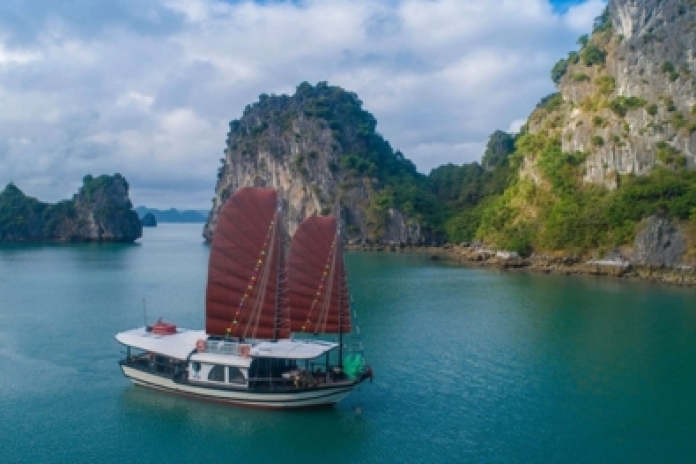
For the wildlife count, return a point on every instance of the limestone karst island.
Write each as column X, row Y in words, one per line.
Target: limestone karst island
column 100, row 212
column 599, row 180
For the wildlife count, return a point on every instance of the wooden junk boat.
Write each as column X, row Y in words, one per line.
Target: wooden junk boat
column 260, row 346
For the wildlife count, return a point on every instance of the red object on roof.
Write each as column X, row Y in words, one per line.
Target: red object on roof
column 317, row 283
column 163, row 328
column 245, row 285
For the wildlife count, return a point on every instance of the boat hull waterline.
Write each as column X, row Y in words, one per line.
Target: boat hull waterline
column 317, row 397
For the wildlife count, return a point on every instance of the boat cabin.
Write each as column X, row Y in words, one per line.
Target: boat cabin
column 189, row 356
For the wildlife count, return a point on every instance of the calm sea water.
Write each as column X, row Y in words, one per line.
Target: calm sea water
column 470, row 365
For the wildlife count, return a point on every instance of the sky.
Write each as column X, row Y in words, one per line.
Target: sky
column 148, row 88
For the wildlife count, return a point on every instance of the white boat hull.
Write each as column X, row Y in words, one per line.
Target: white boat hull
column 305, row 398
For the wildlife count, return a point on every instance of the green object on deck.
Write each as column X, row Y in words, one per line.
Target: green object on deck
column 353, row 365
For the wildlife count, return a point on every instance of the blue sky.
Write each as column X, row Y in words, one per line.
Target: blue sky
column 147, row 89
column 563, row 5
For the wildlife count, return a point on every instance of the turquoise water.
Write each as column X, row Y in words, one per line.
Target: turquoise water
column 470, row 365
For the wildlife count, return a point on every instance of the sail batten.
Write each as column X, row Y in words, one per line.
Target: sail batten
column 245, row 272
column 318, row 289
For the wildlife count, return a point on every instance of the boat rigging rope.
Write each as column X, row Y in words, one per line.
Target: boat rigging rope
column 260, row 300
column 251, row 288
column 328, row 291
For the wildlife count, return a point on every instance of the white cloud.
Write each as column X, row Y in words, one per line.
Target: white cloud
column 580, row 16
column 135, row 99
column 10, row 57
column 147, row 89
column 436, row 154
column 516, row 125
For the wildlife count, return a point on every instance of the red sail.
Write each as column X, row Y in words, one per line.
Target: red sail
column 318, row 288
column 243, row 297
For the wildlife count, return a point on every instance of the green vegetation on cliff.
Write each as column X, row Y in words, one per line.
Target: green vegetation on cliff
column 367, row 155
column 561, row 213
column 23, row 216
column 564, row 214
column 466, row 190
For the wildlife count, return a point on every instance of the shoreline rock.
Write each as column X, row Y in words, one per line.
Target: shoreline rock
column 613, row 267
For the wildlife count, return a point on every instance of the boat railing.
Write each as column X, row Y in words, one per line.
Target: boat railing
column 310, row 341
column 299, row 379
column 222, row 347
column 155, row 364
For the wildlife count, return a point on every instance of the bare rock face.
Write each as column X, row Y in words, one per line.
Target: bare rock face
column 659, row 244
column 401, row 231
column 105, row 212
column 320, row 151
column 100, row 212
column 630, row 93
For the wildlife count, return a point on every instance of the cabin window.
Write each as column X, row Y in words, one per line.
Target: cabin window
column 235, row 375
column 217, row 374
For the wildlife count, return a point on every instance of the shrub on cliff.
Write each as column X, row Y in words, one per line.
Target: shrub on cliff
column 559, row 70
column 602, row 22
column 622, row 105
column 18, row 212
column 592, row 55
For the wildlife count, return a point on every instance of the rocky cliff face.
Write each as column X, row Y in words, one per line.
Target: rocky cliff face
column 629, row 92
column 615, row 146
column 659, row 244
column 100, row 211
column 319, row 149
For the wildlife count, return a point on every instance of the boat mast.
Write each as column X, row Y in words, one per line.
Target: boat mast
column 279, row 246
column 338, row 252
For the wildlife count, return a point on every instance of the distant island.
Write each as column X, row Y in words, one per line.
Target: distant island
column 173, row 215
column 101, row 211
column 149, row 220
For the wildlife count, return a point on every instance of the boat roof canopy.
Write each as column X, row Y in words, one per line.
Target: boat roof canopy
column 181, row 344
column 178, row 345
column 292, row 349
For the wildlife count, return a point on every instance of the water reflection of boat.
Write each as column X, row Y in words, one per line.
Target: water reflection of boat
column 261, row 344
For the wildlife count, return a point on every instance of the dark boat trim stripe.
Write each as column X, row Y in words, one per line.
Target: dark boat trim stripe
column 333, row 391
column 225, row 389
